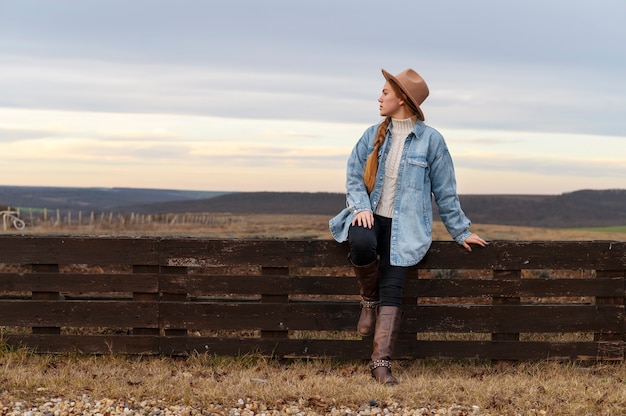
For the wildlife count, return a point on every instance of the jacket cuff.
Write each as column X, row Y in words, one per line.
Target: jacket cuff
column 463, row 236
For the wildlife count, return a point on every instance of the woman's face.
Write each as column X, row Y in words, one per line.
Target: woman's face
column 390, row 104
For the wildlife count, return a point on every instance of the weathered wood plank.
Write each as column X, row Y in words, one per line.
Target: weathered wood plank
column 558, row 287
column 282, row 348
column 609, row 255
column 61, row 313
column 405, row 349
column 528, row 255
column 86, row 344
column 198, row 285
column 310, row 316
column 504, row 255
column 311, row 348
column 270, row 253
column 78, row 282
column 423, row 318
column 514, row 318
column 78, row 250
column 509, row 350
column 259, row 316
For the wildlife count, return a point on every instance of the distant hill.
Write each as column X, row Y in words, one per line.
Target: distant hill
column 91, row 199
column 585, row 208
column 322, row 203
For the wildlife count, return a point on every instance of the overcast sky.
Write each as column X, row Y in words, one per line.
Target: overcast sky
column 248, row 95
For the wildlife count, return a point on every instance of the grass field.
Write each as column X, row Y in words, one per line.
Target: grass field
column 302, row 227
column 616, row 229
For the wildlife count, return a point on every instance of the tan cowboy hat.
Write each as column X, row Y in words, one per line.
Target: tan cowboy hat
column 412, row 84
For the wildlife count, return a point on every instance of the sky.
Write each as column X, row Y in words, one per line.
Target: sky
column 248, row 95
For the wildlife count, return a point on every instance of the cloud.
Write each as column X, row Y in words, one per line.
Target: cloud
column 193, row 88
column 547, row 165
column 8, row 135
column 113, row 138
column 503, row 161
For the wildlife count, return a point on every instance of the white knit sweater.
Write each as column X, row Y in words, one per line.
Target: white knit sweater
column 400, row 129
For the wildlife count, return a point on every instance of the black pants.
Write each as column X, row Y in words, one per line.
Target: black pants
column 368, row 244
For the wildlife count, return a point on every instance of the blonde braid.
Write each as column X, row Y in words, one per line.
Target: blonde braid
column 371, row 166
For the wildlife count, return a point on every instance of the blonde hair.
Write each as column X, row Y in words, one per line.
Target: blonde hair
column 371, row 165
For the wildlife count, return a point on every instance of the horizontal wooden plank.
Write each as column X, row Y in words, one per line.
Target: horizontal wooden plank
column 193, row 252
column 515, row 318
column 271, row 253
column 198, row 285
column 86, row 344
column 311, row 316
column 74, row 282
column 510, row 350
column 78, row 250
column 282, row 348
column 62, row 313
column 423, row 318
column 512, row 288
column 406, row 349
column 259, row 316
column 499, row 255
column 320, row 348
column 528, row 255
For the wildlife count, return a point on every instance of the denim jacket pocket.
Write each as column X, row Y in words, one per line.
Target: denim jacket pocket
column 415, row 174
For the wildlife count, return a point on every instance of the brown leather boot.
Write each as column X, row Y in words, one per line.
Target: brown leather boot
column 367, row 276
column 385, row 336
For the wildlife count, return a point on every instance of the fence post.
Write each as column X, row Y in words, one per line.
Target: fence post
column 146, row 297
column 45, row 268
column 610, row 345
column 271, row 298
column 174, row 297
column 506, row 300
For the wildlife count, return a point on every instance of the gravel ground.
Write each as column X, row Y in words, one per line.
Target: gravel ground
column 243, row 407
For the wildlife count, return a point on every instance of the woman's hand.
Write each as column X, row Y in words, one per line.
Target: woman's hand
column 364, row 219
column 473, row 239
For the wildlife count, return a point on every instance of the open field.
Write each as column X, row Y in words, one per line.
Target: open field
column 252, row 385
column 616, row 229
column 293, row 226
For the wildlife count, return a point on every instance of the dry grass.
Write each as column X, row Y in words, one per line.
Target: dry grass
column 525, row 388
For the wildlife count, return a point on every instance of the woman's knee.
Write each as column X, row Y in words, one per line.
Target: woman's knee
column 362, row 242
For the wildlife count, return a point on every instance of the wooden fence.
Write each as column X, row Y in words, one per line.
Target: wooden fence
column 293, row 298
column 107, row 220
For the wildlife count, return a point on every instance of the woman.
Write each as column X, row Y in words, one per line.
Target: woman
column 392, row 172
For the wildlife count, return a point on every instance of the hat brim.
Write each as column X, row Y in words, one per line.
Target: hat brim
column 389, row 77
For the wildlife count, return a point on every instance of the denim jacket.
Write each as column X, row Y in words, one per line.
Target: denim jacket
column 425, row 168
